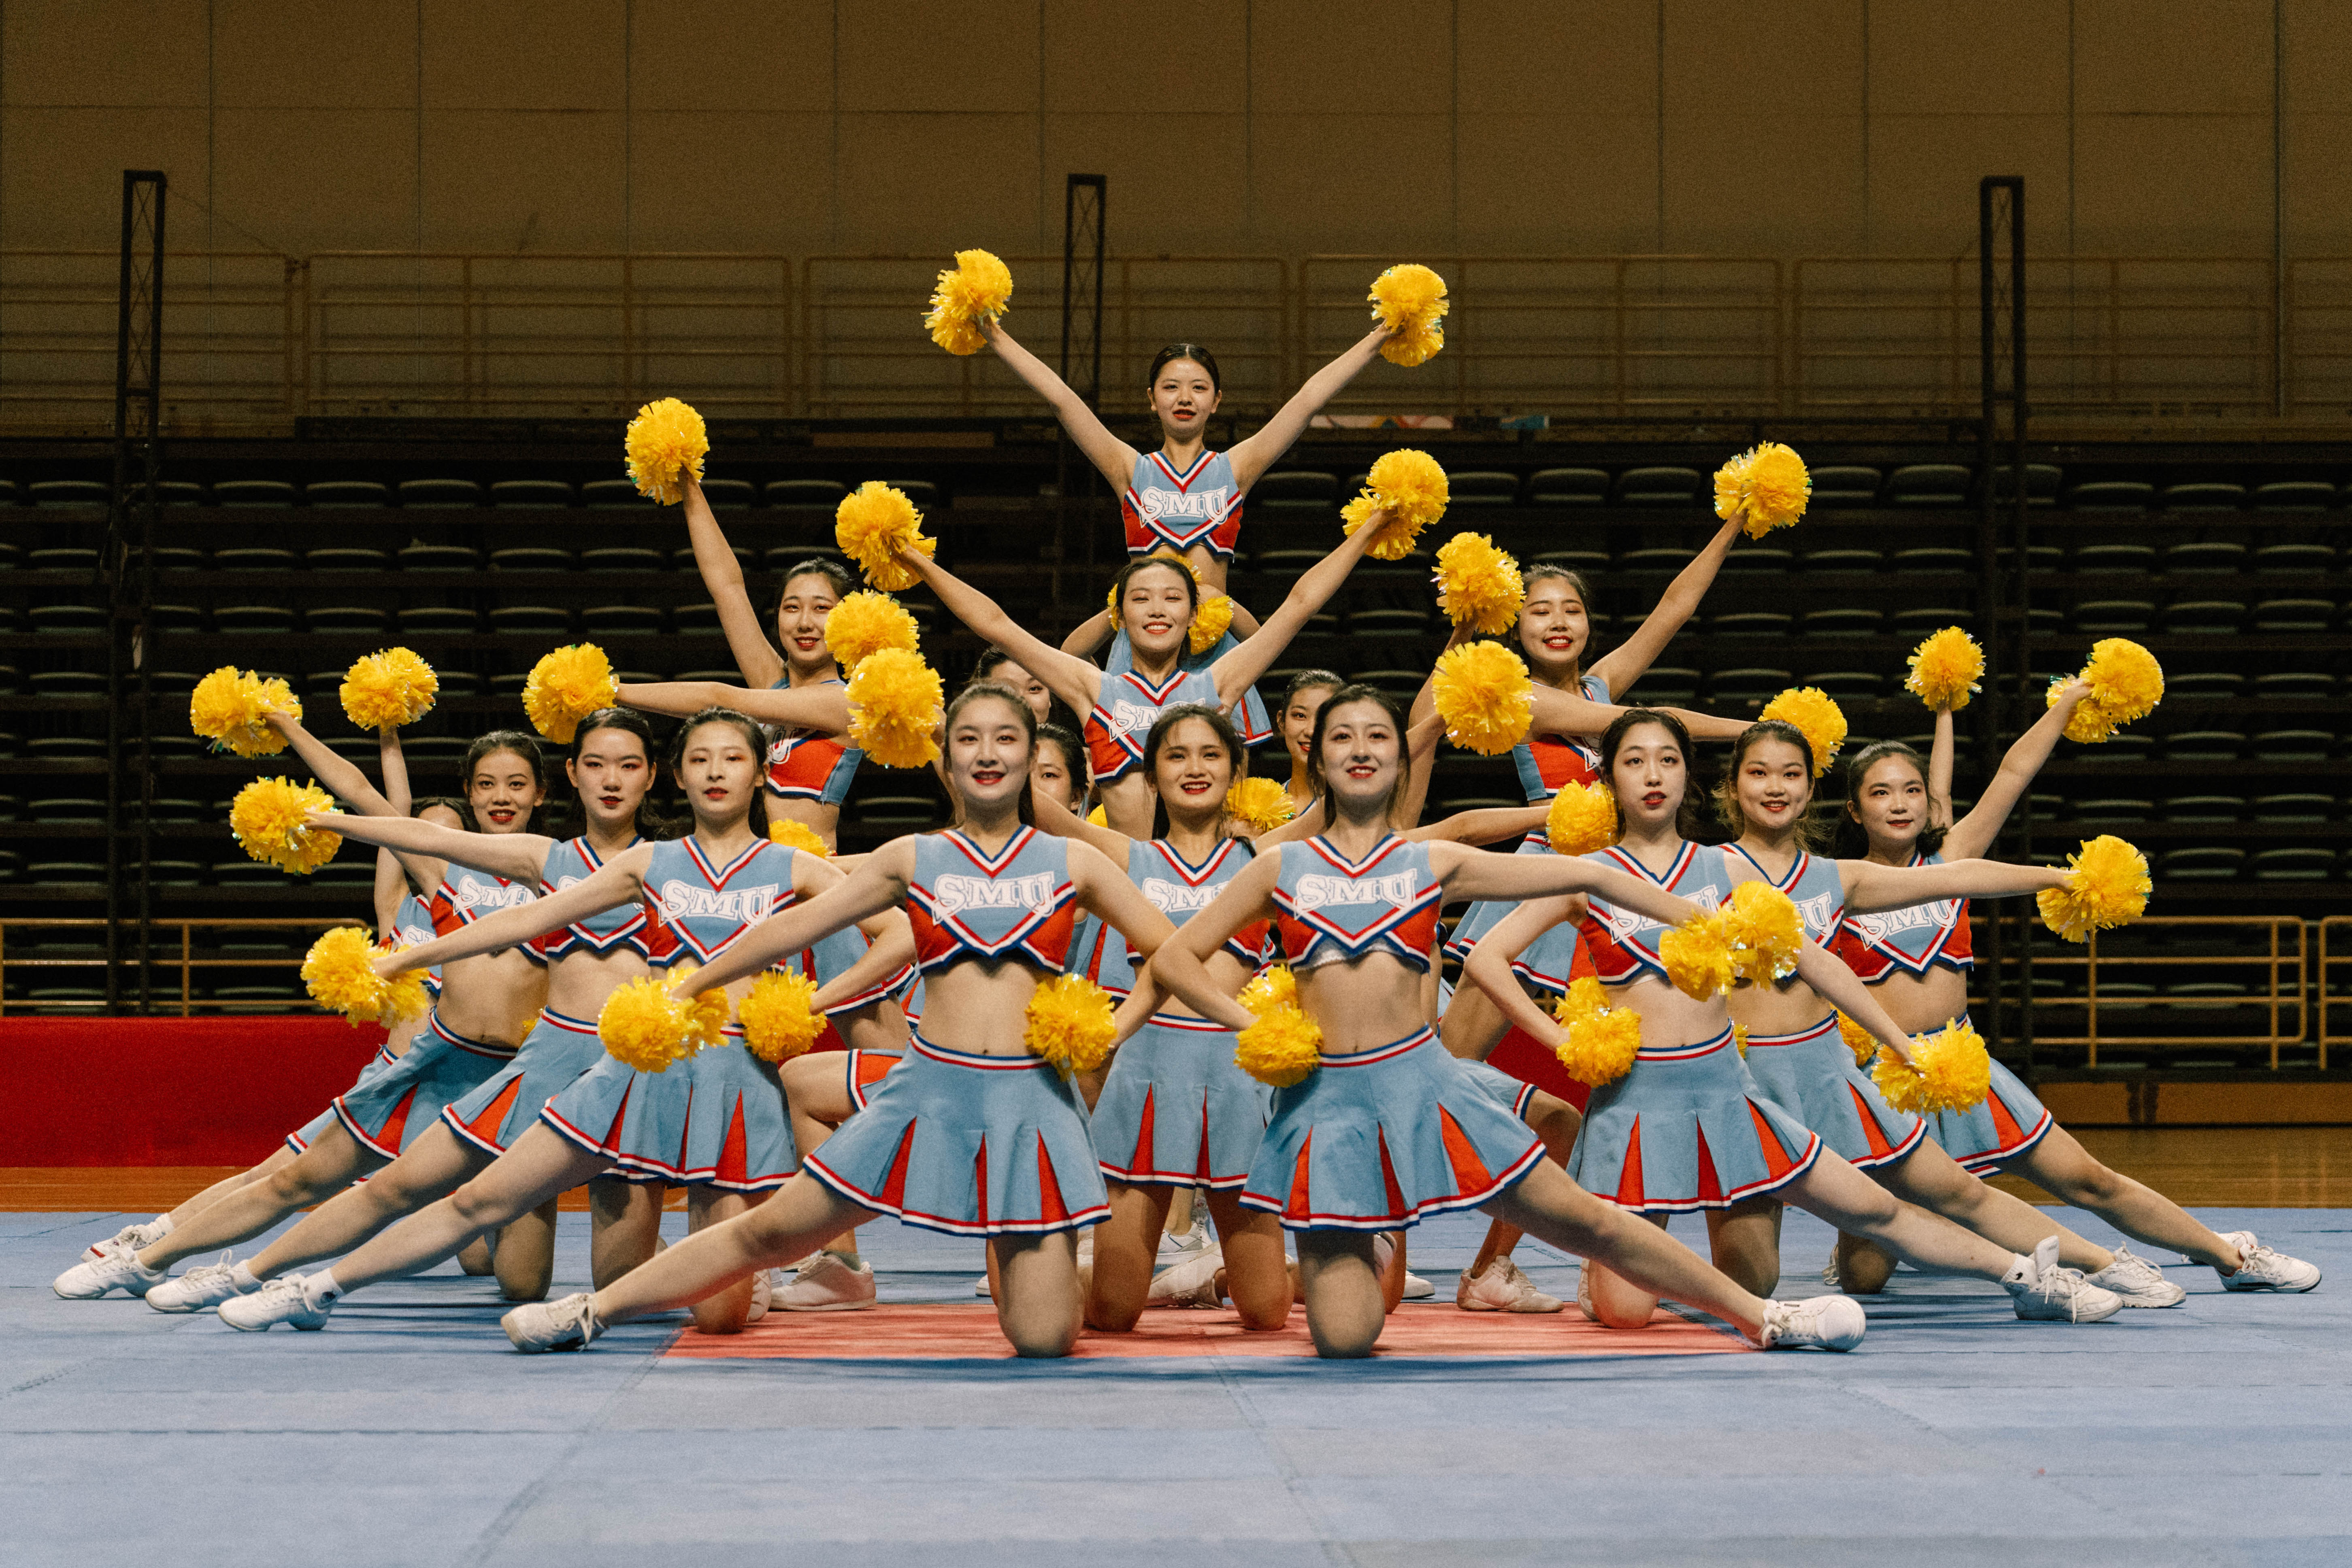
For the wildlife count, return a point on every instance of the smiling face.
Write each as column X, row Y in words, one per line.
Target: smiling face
column 1183, row 397
column 1553, row 626
column 1891, row 803
column 1054, row 771
column 1649, row 776
column 1299, row 718
column 1192, row 770
column 808, row 599
column 1030, row 689
column 719, row 767
column 1774, row 786
column 988, row 755
column 503, row 791
column 1156, row 609
column 1363, row 756
column 611, row 774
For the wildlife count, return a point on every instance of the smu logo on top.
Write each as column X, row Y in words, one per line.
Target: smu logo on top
column 1175, row 897
column 952, row 895
column 1160, row 503
column 1624, row 925
column 1885, row 923
column 1126, row 717
column 1817, row 912
column 683, row 900
column 1397, row 888
column 475, row 894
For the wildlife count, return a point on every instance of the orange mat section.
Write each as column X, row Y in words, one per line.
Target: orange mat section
column 945, row 1331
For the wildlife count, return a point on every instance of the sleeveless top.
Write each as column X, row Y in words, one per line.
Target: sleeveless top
column 414, row 927
column 1623, row 945
column 1547, row 761
column 1815, row 886
column 467, row 895
column 1018, row 903
column 569, row 864
column 1125, row 712
column 809, row 765
column 1178, row 891
column 1913, row 940
column 1330, row 909
column 1168, row 508
column 695, row 908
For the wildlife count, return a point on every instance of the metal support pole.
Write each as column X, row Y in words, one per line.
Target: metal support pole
column 1084, row 198
column 127, row 566
column 2006, row 607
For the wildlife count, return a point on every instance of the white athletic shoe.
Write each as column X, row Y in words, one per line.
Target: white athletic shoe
column 206, row 1285
column 1817, row 1323
column 980, row 1288
column 763, row 1293
column 87, row 1280
column 565, row 1325
column 1191, row 1283
column 281, row 1300
column 2140, row 1283
column 1175, row 1248
column 1416, row 1289
column 2260, row 1269
column 1501, row 1287
column 2051, row 1294
column 130, row 1238
column 824, row 1283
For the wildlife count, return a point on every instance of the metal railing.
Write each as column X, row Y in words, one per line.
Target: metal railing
column 2278, row 991
column 175, row 950
column 2333, row 956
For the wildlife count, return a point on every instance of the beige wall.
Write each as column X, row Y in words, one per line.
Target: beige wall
column 1787, row 127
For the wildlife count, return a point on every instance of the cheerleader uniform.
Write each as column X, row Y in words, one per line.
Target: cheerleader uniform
column 811, row 764
column 442, row 1066
column 1374, row 1140
column 1687, row 1128
column 1124, row 713
column 414, row 928
column 1914, row 940
column 955, row 1142
column 1175, row 1111
column 1811, row 1074
column 1251, row 721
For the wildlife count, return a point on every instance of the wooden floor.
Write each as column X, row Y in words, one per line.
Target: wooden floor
column 2237, row 1167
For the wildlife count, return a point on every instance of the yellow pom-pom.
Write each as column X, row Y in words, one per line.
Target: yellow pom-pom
column 1485, row 696
column 2110, row 888
column 1410, row 489
column 1945, row 668
column 270, row 819
column 895, row 707
column 798, row 836
column 1766, row 932
column 1478, row 584
column 227, row 705
column 866, row 622
column 647, row 1027
column 1602, row 1040
column 384, row 690
column 1259, row 804
column 1740, row 1036
column 778, row 1016
column 976, row 292
column 1698, row 956
column 1100, row 817
column 1767, row 486
column 1950, row 1071
column 1409, row 299
column 665, row 440
column 1210, row 622
column 1817, row 715
column 872, row 525
column 1273, row 986
column 2127, row 683
column 404, row 996
column 1068, row 1022
column 1859, row 1040
column 339, row 973
column 565, row 687
column 1584, row 818
column 1282, row 1048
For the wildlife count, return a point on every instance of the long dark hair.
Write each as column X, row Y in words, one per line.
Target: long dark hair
column 1613, row 741
column 1574, row 579
column 1004, row 694
column 1809, row 833
column 1931, row 836
column 651, row 822
column 1358, row 691
column 1173, row 715
column 521, row 745
column 752, row 735
column 1174, row 352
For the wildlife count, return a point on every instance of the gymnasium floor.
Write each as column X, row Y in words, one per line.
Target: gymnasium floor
column 406, row 1433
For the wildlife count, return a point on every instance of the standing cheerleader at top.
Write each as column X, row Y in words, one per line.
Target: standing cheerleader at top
column 1796, row 1055
column 974, row 1135
column 1685, row 1128
column 1917, row 962
column 474, row 1030
column 1374, row 1131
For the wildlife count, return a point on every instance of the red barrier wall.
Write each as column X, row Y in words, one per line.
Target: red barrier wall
column 168, row 1091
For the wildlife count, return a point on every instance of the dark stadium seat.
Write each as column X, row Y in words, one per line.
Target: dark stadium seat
column 807, row 493
column 252, row 620
column 533, row 493
column 2294, row 495
column 255, row 558
column 2296, row 558
column 1567, row 487
column 1919, row 622
column 2294, row 745
column 2294, row 806
column 68, row 683
column 2293, row 614
column 2205, row 808
column 1848, row 684
column 730, row 495
column 624, row 558
column 440, row 493
column 2294, row 686
column 328, row 493
column 1843, row 622
column 2202, row 863
column 2204, row 497
column 1480, row 488
column 2042, row 481
column 2114, row 557
column 2111, row 495
column 1844, row 485
column 1669, row 684
column 1757, row 560
column 687, row 620
column 1586, row 563
column 1750, row 624
column 1658, row 486
column 610, row 495
column 1294, row 488
column 78, row 494
column 348, row 558
column 62, row 558
column 2203, row 686
column 2114, row 618
column 544, row 621
column 2292, row 864
column 531, row 558
column 2204, row 617
column 2201, row 557
column 1929, row 484
column 1738, row 685
column 1934, row 560
column 428, row 620
column 2204, row 746
column 346, row 618
column 619, row 620
column 1845, row 558
column 1664, row 559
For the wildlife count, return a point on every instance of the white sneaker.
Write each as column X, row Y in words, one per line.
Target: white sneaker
column 2140, row 1283
column 281, row 1300
column 565, row 1325
column 1191, row 1283
column 1416, row 1289
column 824, row 1283
column 206, row 1285
column 1817, row 1323
column 2051, row 1294
column 1174, row 1249
column 2260, row 1269
column 1501, row 1287
column 87, row 1280
column 763, row 1291
column 130, row 1238
column 980, row 1288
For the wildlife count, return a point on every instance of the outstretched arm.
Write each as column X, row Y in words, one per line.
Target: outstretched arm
column 819, row 707
column 1487, row 825
column 347, row 783
column 1074, row 680
column 1103, row 888
column 1240, row 670
column 722, row 577
column 1560, row 712
column 1622, row 664
column 517, row 857
column 1248, row 897
column 1480, row 874
column 1265, row 447
column 1113, row 458
column 879, row 883
column 1871, row 887
column 1974, row 834
column 621, row 881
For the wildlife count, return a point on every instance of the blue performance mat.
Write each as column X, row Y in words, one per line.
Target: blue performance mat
column 408, row 1434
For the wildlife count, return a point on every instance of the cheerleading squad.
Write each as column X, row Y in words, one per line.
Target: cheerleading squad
column 1045, row 1025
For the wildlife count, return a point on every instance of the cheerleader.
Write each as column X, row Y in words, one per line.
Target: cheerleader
column 1301, row 700
column 714, row 1124
column 975, row 1135
column 1001, row 669
column 1687, row 1130
column 1917, row 960
column 474, row 1029
column 1796, row 1057
column 1157, row 601
column 1383, row 1130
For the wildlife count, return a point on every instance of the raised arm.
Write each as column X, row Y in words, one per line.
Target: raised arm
column 1059, row 820
column 1240, row 670
column 1113, row 458
column 1974, row 834
column 1087, row 636
column 1488, row 965
column 1940, row 771
column 1625, row 664
column 1870, row 886
column 349, row 784
column 1074, row 680
column 1264, row 447
column 722, row 577
column 390, row 877
column 1487, row 825
column 621, row 881
column 517, row 857
column 799, row 707
column 1558, row 712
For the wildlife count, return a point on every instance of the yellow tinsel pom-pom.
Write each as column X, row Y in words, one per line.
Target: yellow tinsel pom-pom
column 1411, row 487
column 1952, row 1072
column 1584, row 818
column 895, row 705
column 1273, row 986
column 1698, row 956
column 1259, row 804
column 2127, row 683
column 1210, row 622
column 647, row 1026
column 566, row 686
column 864, row 623
column 977, row 290
column 1945, row 668
column 227, row 707
column 1859, row 1040
column 1100, row 817
column 1817, row 714
column 1767, row 486
column 665, row 440
column 339, row 973
column 1478, row 584
column 798, row 836
column 270, row 819
column 1740, row 1036
column 384, row 690
column 1766, row 932
column 2110, row 888
column 1068, row 1024
column 1485, row 696
column 1602, row 1041
column 1282, row 1048
column 1409, row 300
column 872, row 525
column 778, row 1018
